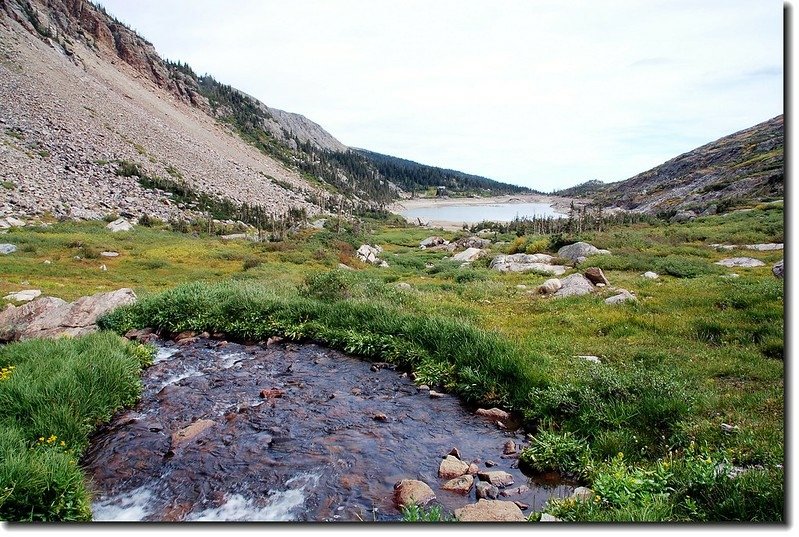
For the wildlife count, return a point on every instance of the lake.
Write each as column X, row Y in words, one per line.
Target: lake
column 497, row 212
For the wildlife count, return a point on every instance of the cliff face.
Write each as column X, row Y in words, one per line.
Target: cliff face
column 747, row 165
column 83, row 94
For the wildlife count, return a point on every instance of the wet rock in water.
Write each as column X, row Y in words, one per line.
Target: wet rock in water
column 423, row 387
column 23, row 296
column 746, row 262
column 515, row 491
column 462, row 484
column 274, row 340
column 380, row 417
column 490, row 511
column 574, row 285
column 473, row 469
column 596, row 276
column 779, row 269
column 435, row 395
column 451, row 467
column 583, row 494
column 186, row 334
column 546, row 517
column 455, row 452
column 650, row 275
column 623, row 296
column 6, row 248
column 272, row 393
column 486, row 490
column 494, row 414
column 412, row 492
column 489, row 463
column 192, row 431
column 521, row 505
column 579, row 251
column 135, row 334
column 509, row 447
column 498, row 478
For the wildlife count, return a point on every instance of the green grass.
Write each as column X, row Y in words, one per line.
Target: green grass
column 696, row 350
column 56, row 395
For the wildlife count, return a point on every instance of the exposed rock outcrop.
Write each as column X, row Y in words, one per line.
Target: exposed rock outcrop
column 527, row 263
column 580, row 251
column 50, row 317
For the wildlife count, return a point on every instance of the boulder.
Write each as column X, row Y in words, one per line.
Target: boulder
column 494, row 414
column 469, row 255
column 432, row 241
column 109, row 254
column 50, row 317
column 650, row 275
column 120, row 224
column 747, row 262
column 526, row 263
column 490, row 511
column 368, row 254
column 549, row 287
column 683, row 216
column 579, row 251
column 583, row 494
column 462, row 484
column 498, row 478
column 412, row 492
column 596, row 276
column 23, row 296
column 190, row 432
column 472, row 242
column 623, row 296
column 6, row 248
column 452, row 467
column 779, row 268
column 574, row 285
column 546, row 517
column 767, row 247
column 509, row 447
column 486, row 490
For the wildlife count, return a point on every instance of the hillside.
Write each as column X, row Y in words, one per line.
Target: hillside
column 744, row 167
column 413, row 176
column 102, row 124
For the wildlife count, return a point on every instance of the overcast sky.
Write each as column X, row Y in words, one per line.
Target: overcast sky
column 541, row 93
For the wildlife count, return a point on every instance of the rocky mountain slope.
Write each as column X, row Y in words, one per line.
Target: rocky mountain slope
column 99, row 123
column 743, row 167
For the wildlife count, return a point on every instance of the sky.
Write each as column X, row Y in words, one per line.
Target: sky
column 541, row 93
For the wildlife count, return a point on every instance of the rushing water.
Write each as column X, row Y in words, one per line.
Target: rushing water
column 319, row 451
column 496, row 212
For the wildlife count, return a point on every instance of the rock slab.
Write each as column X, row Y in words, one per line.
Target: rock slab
column 490, row 511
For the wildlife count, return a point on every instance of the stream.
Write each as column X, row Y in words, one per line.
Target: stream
column 228, row 432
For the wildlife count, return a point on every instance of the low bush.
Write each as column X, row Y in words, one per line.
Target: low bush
column 561, row 452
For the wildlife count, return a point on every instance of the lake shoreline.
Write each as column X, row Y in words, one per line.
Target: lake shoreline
column 559, row 204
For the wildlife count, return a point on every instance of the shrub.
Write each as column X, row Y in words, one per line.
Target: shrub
column 327, row 286
column 562, row 452
column 250, row 262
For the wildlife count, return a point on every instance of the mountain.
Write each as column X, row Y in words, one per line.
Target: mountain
column 744, row 167
column 412, row 176
column 99, row 123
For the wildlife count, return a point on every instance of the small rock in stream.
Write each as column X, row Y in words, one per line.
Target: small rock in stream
column 455, row 453
column 509, row 447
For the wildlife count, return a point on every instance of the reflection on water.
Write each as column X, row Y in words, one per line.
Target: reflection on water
column 204, row 445
column 496, row 212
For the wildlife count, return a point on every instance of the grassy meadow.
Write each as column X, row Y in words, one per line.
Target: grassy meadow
column 643, row 428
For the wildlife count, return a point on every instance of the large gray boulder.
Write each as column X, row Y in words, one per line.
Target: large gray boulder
column 6, row 248
column 574, row 285
column 50, row 317
column 779, row 268
column 472, row 242
column 579, row 251
column 527, row 263
column 746, row 262
column 429, row 242
column 368, row 254
column 469, row 255
column 120, row 224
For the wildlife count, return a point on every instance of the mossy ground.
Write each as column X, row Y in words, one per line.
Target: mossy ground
column 718, row 342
